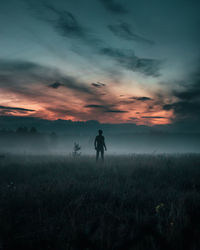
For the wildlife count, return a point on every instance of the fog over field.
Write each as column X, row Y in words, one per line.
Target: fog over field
column 32, row 135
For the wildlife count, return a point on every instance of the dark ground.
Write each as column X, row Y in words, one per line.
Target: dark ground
column 135, row 202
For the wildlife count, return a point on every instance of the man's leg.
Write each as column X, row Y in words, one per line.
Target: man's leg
column 102, row 155
column 97, row 155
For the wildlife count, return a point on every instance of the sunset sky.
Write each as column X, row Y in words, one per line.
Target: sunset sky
column 114, row 61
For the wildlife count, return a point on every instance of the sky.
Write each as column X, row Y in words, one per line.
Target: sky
column 130, row 61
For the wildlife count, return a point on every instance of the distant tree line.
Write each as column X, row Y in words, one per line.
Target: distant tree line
column 26, row 139
column 25, row 131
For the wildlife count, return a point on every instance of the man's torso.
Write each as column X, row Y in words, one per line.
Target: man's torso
column 100, row 142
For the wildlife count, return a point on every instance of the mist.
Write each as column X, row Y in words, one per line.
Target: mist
column 39, row 143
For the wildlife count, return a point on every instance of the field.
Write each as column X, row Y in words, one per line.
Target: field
column 140, row 202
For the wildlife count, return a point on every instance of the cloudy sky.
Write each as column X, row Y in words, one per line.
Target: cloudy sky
column 113, row 61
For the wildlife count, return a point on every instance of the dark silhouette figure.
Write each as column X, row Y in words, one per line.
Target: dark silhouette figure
column 100, row 145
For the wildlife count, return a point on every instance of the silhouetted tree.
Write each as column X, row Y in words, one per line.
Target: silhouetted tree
column 33, row 130
column 76, row 149
column 22, row 130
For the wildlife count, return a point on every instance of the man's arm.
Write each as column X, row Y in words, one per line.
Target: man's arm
column 95, row 143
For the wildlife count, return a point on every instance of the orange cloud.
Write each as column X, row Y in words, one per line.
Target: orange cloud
column 52, row 104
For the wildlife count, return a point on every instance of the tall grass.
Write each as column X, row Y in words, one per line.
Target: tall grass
column 139, row 202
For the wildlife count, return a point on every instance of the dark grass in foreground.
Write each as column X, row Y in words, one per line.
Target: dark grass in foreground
column 135, row 202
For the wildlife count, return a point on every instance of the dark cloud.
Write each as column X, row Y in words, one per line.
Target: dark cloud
column 16, row 74
column 124, row 30
column 72, row 83
column 9, row 111
column 153, row 117
column 128, row 60
column 115, row 111
column 188, row 104
column 7, row 66
column 114, row 7
column 15, row 109
column 98, row 84
column 143, row 98
column 95, row 106
column 107, row 108
column 66, row 24
column 28, row 80
column 169, row 106
column 184, row 109
column 190, row 94
column 55, row 85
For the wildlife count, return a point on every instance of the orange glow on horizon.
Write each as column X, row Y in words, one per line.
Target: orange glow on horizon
column 148, row 120
column 64, row 104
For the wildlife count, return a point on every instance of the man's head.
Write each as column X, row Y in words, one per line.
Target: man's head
column 100, row 132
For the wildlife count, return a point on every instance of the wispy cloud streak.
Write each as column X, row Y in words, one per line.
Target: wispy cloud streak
column 125, row 31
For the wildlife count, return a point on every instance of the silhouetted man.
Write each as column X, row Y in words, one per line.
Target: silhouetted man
column 100, row 145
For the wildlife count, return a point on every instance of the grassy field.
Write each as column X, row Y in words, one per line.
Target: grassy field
column 140, row 202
